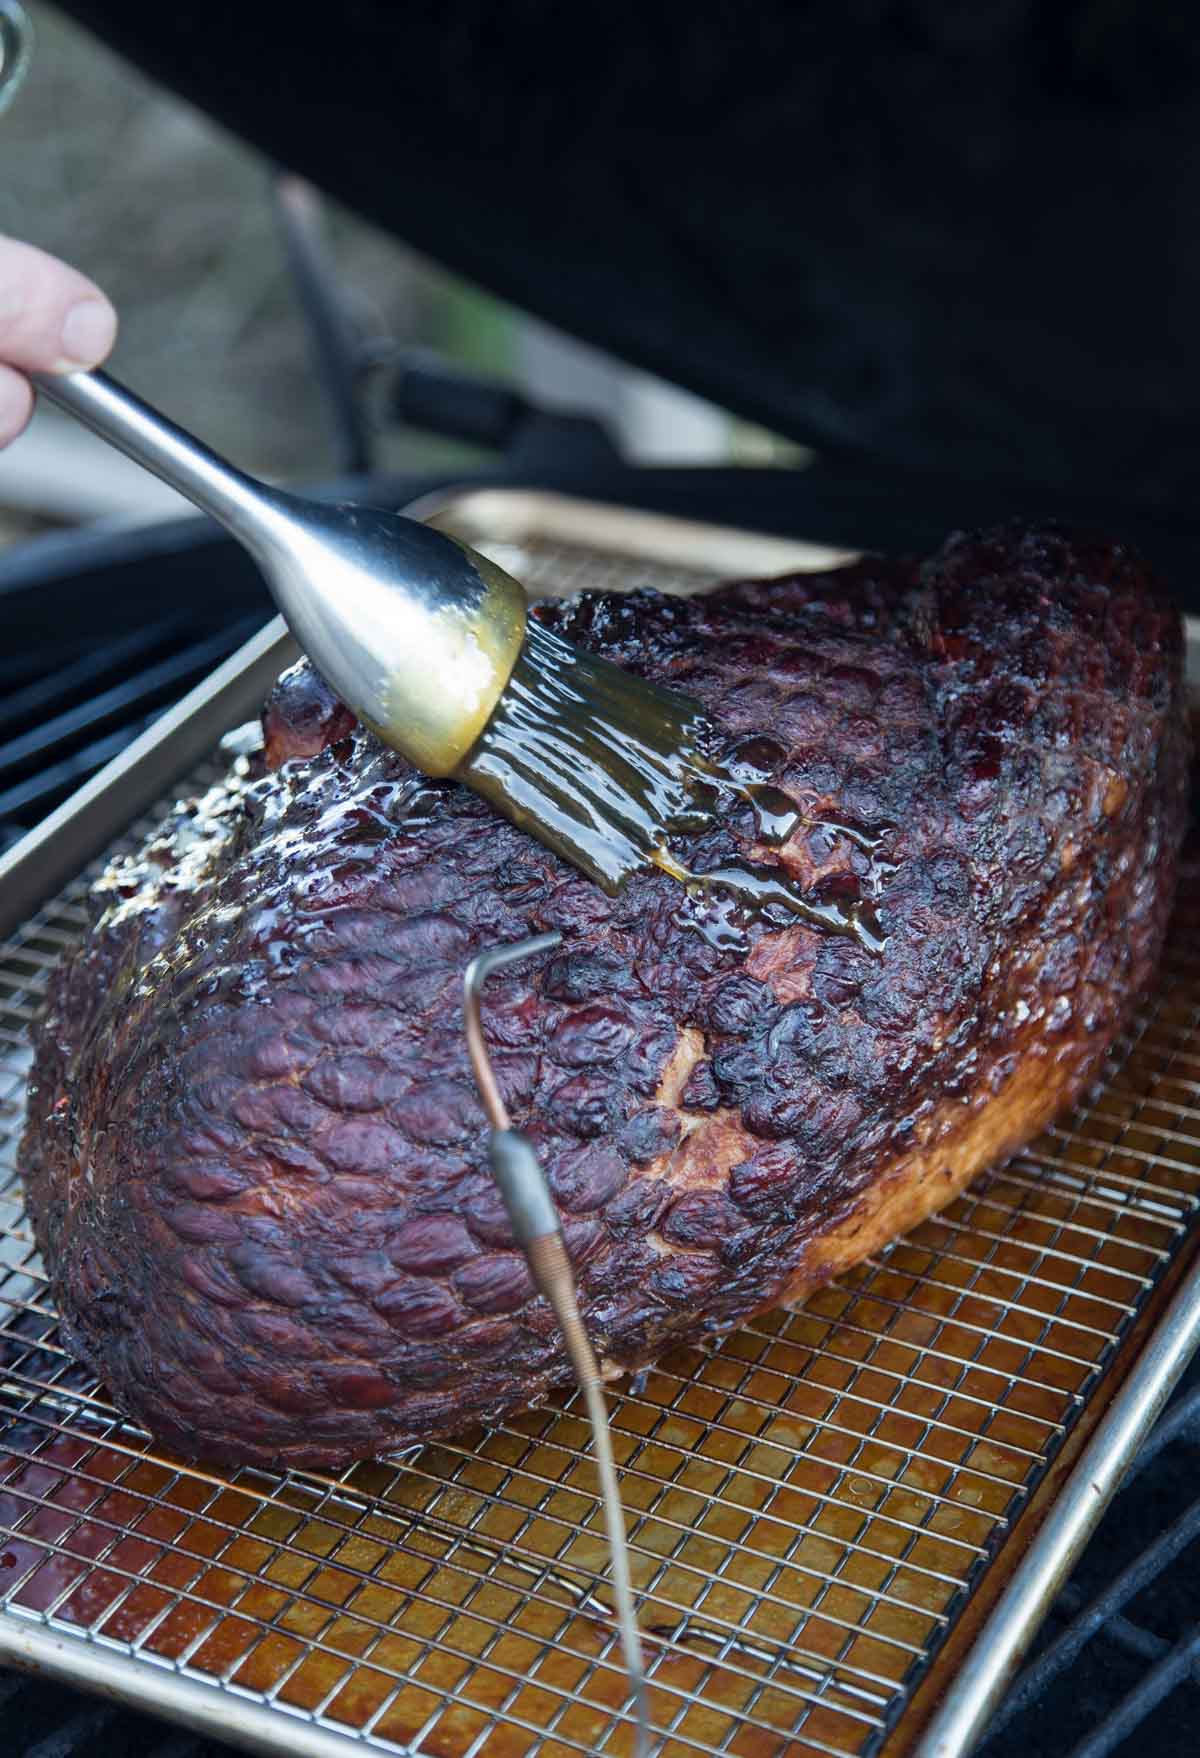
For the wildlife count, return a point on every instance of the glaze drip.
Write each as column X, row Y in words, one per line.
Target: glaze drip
column 608, row 770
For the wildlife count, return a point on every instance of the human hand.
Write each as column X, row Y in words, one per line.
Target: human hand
column 52, row 319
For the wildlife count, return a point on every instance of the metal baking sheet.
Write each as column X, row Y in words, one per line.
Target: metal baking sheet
column 837, row 1516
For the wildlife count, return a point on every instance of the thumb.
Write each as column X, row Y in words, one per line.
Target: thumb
column 52, row 318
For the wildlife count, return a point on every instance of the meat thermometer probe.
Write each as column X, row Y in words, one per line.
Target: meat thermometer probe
column 538, row 1231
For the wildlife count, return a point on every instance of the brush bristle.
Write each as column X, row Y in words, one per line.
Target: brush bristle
column 600, row 765
column 605, row 769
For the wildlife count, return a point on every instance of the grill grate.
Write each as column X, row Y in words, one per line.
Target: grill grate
column 64, row 717
column 809, row 1503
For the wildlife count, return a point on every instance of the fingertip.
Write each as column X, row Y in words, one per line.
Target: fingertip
column 52, row 318
column 16, row 404
column 88, row 333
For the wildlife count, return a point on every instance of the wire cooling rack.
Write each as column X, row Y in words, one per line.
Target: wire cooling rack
column 811, row 1504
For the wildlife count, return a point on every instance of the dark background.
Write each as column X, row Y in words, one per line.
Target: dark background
column 934, row 241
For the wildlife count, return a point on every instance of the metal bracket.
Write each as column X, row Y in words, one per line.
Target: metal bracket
column 16, row 50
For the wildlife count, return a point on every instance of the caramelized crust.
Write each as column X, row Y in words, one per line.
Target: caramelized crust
column 256, row 1161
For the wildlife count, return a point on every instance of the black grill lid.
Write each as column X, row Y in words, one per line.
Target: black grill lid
column 906, row 231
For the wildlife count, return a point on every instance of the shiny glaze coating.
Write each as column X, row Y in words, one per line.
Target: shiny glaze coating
column 256, row 1160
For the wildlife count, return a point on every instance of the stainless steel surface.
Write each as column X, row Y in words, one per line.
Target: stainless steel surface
column 414, row 632
column 812, row 1503
column 538, row 1231
column 16, row 50
column 972, row 1694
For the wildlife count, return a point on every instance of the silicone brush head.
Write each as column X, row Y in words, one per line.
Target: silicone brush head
column 594, row 761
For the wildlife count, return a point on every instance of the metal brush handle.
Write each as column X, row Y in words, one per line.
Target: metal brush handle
column 414, row 631
column 247, row 508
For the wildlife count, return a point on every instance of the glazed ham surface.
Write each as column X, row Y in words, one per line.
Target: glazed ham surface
column 255, row 1158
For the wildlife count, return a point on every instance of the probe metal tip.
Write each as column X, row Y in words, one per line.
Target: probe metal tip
column 477, row 974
